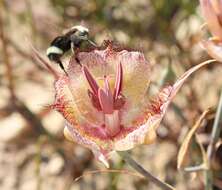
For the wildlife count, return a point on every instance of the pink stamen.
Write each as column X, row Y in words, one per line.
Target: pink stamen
column 108, row 90
column 119, row 79
column 106, row 101
column 112, row 123
column 103, row 99
column 92, row 82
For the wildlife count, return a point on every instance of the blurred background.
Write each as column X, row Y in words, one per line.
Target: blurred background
column 33, row 152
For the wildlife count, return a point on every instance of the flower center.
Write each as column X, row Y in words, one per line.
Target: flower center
column 106, row 101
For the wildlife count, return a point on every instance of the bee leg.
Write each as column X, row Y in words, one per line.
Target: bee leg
column 62, row 67
column 73, row 48
column 75, row 51
column 92, row 43
column 76, row 56
column 78, row 61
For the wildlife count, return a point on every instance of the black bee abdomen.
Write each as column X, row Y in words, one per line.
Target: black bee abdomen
column 62, row 42
column 54, row 57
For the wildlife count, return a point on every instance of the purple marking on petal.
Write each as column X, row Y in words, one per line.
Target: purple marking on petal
column 119, row 80
column 105, row 102
column 92, row 82
column 119, row 102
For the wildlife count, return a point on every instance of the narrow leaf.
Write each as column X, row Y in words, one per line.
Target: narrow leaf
column 185, row 145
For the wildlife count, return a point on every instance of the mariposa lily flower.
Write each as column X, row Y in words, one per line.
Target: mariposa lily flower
column 105, row 103
column 212, row 12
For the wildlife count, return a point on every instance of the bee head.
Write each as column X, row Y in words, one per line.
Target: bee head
column 80, row 32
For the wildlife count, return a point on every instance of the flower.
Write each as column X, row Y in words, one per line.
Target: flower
column 105, row 102
column 212, row 12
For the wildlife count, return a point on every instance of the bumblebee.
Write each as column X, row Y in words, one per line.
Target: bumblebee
column 72, row 39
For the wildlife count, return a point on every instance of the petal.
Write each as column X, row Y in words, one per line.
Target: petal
column 138, row 136
column 150, row 121
column 64, row 101
column 211, row 18
column 94, row 61
column 72, row 134
column 136, row 78
column 217, row 6
column 145, row 125
column 136, row 75
column 214, row 49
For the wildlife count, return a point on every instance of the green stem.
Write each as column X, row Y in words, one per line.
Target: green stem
column 126, row 156
column 214, row 137
column 208, row 179
column 195, row 168
column 216, row 129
